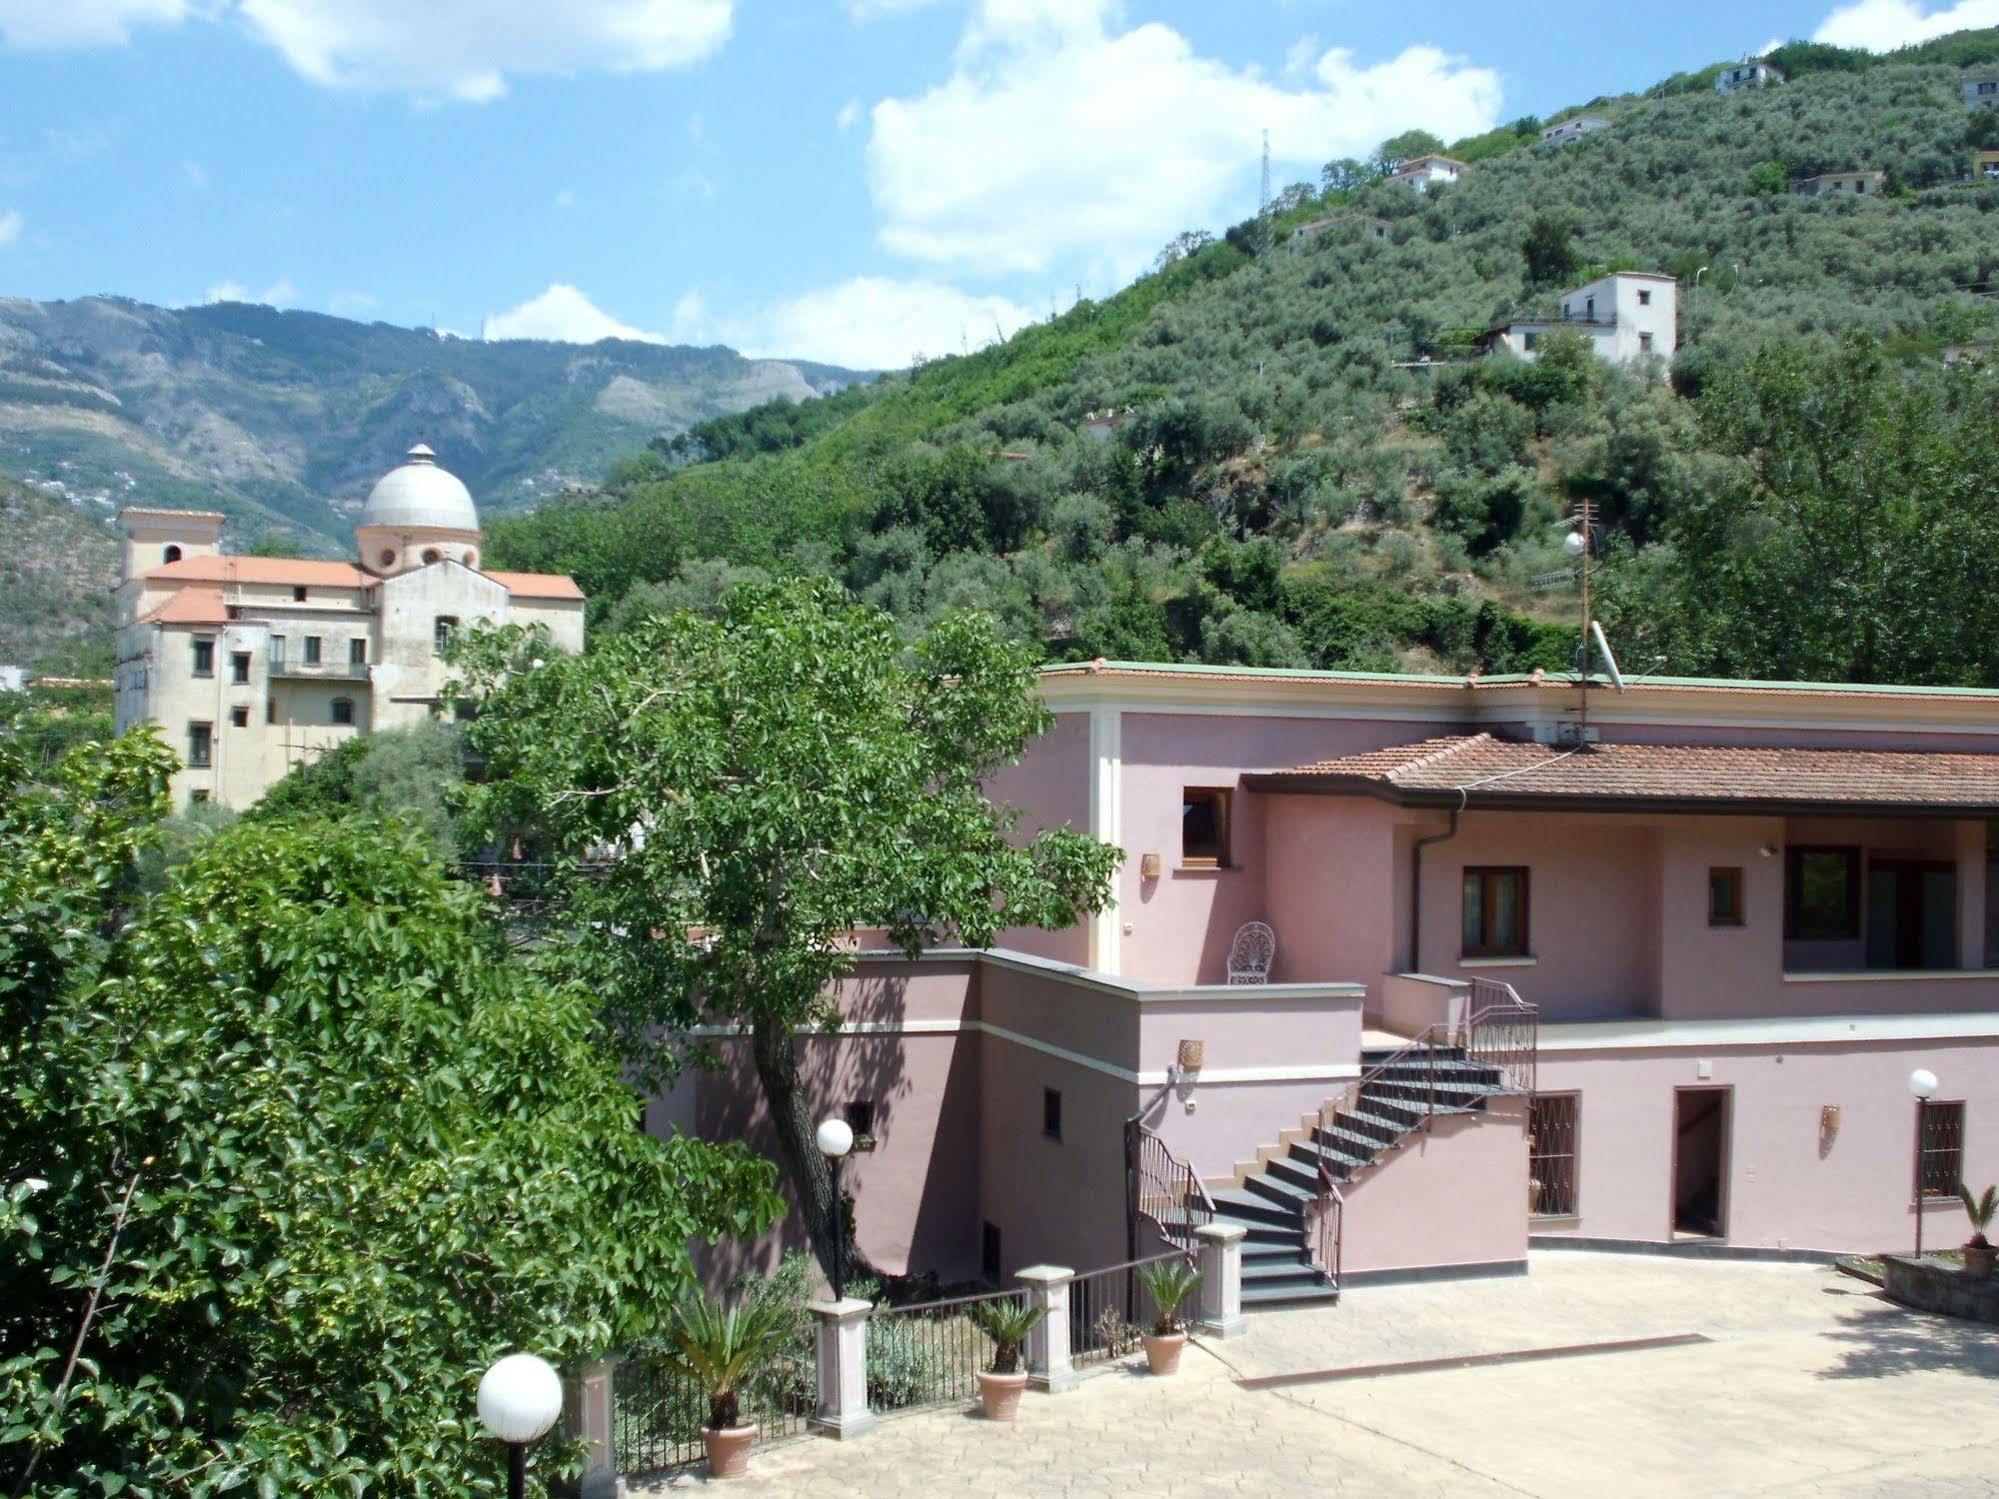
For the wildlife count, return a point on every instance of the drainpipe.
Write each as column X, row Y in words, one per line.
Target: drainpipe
column 1416, row 882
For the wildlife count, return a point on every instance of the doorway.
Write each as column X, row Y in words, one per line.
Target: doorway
column 1911, row 914
column 1700, row 1162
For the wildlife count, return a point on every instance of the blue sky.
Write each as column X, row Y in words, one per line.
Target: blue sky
column 851, row 180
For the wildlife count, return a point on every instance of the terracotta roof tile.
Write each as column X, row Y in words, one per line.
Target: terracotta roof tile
column 284, row 570
column 538, row 585
column 1490, row 770
column 190, row 606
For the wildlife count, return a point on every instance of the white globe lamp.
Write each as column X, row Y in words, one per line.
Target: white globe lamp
column 520, row 1399
column 1923, row 1083
column 835, row 1139
column 1575, row 544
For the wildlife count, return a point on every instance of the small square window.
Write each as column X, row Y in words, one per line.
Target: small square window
column 1051, row 1113
column 1724, row 897
column 860, row 1117
column 239, row 667
column 298, row 595
column 1644, row 299
column 239, row 718
column 312, row 650
column 199, row 796
column 1204, row 828
column 343, row 710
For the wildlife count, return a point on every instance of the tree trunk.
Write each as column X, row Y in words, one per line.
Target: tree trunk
column 804, row 1167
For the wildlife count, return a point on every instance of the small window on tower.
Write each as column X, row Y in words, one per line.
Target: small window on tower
column 1644, row 299
column 171, row 554
column 239, row 667
column 298, row 595
column 204, row 658
column 239, row 718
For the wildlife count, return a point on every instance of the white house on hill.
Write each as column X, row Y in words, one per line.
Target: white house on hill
column 1627, row 316
column 1831, row 184
column 1747, row 75
column 1982, row 93
column 1424, row 172
column 1568, row 132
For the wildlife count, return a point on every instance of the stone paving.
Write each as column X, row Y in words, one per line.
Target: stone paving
column 1811, row 1384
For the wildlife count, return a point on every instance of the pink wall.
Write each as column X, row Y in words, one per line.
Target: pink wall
column 1051, row 784
column 1182, row 923
column 1785, row 1189
column 1333, row 892
column 1453, row 1195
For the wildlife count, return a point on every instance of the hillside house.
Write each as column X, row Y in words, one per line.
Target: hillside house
column 252, row 665
column 1867, row 184
column 1568, row 132
column 13, row 678
column 1659, row 982
column 1103, row 425
column 1747, row 75
column 1427, row 172
column 1985, row 166
column 1982, row 92
column 1627, row 316
column 1362, row 226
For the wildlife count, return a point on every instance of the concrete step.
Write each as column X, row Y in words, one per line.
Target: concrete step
column 1265, row 1298
column 1253, row 1209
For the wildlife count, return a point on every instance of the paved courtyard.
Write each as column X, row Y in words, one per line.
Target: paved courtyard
column 1804, row 1382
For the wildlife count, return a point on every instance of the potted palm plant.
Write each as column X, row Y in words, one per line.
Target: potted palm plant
column 723, row 1346
column 1170, row 1283
column 1007, row 1323
column 1979, row 1251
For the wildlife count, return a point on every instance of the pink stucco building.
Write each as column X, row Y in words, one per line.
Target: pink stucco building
column 1649, row 971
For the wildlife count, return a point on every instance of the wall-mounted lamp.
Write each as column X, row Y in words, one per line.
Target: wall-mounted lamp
column 1148, row 866
column 1768, row 850
column 1828, row 1124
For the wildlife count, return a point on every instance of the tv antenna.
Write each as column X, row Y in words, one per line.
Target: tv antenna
column 1581, row 543
column 1263, row 204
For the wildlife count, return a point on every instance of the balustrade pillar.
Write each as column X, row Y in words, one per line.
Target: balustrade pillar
column 1218, row 1248
column 1048, row 1364
column 600, row 1463
column 842, row 1363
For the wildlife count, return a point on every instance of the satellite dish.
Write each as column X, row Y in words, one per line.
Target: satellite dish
column 1609, row 661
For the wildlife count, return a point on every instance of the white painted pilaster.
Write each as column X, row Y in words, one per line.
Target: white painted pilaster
column 1107, row 823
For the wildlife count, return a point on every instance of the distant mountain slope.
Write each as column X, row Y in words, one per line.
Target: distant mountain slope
column 284, row 418
column 56, row 570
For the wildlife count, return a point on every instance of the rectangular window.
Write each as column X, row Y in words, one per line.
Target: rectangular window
column 1821, row 894
column 1204, row 828
column 1724, row 897
column 1940, row 1150
column 198, row 795
column 239, row 667
column 312, row 650
column 357, row 652
column 298, row 595
column 1552, row 1130
column 239, row 718
column 1645, row 342
column 343, row 710
column 277, row 650
column 270, row 710
column 1530, row 341
column 1051, row 1113
column 1495, row 913
column 989, row 1252
column 860, row 1117
column 200, row 745
column 447, row 627
column 1644, row 299
column 204, row 658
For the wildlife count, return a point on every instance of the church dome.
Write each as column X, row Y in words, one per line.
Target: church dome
column 420, row 494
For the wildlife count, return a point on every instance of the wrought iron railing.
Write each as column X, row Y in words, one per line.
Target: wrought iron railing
column 1161, row 1189
column 658, row 1407
column 1110, row 1308
column 928, row 1354
column 1503, row 1031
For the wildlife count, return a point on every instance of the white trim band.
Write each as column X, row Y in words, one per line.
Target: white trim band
column 1803, row 1030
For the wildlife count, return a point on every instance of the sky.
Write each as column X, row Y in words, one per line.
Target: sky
column 857, row 181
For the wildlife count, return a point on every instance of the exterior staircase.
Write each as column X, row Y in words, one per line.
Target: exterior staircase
column 1398, row 1092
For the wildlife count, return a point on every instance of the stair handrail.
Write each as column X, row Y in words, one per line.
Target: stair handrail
column 1162, row 1189
column 1503, row 1031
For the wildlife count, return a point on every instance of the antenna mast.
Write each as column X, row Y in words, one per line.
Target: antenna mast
column 1586, row 529
column 1263, row 204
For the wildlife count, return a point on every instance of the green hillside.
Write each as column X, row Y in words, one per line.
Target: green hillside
column 1296, row 486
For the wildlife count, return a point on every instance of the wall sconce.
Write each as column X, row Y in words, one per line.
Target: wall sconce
column 1187, row 1061
column 1828, row 1124
column 1148, row 866
column 1768, row 850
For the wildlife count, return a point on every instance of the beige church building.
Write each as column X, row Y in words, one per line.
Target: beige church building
column 252, row 665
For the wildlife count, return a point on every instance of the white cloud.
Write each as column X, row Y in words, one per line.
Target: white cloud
column 53, row 25
column 350, row 303
column 849, row 115
column 10, row 226
column 280, row 293
column 562, row 314
column 869, row 322
column 875, row 10
column 1882, row 25
column 1057, row 135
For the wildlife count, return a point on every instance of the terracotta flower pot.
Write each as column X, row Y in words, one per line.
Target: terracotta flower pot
column 1000, row 1394
column 1162, row 1353
column 1979, row 1258
column 729, row 1448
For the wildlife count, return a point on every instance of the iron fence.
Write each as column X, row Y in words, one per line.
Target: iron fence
column 928, row 1354
column 1109, row 1309
column 1503, row 1032
column 658, row 1407
column 1161, row 1189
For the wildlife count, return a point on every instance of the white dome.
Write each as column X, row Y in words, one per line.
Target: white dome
column 420, row 494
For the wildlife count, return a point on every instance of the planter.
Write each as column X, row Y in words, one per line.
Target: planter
column 1162, row 1354
column 1978, row 1260
column 1000, row 1394
column 729, row 1448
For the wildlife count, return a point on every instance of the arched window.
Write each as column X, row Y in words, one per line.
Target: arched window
column 343, row 710
column 172, row 554
column 388, row 556
column 430, row 555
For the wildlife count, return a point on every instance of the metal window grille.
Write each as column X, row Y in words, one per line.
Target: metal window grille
column 1940, row 1150
column 1552, row 1127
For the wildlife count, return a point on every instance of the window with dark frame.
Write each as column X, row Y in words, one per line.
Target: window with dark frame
column 441, row 635
column 204, row 658
column 312, row 650
column 298, row 595
column 1552, row 1132
column 199, row 795
column 1204, row 828
column 1051, row 1113
column 860, row 1117
column 200, row 745
column 357, row 651
column 239, row 718
column 1724, row 896
column 1495, row 912
column 239, row 667
column 1940, row 1150
column 343, row 710
column 1821, row 893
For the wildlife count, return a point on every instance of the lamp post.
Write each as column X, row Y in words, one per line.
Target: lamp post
column 1922, row 1083
column 520, row 1398
column 836, row 1138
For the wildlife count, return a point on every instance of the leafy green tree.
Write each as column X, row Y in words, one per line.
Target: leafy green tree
column 765, row 784
column 291, row 1151
column 412, row 771
column 1400, row 148
column 1549, row 249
